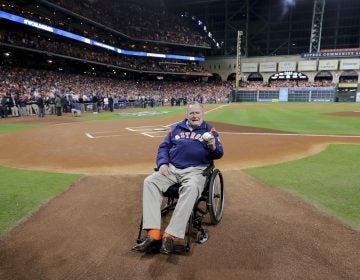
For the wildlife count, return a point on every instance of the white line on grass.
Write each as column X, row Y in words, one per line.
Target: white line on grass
column 204, row 113
column 216, row 108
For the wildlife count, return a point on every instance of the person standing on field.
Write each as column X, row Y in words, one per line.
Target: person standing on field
column 58, row 105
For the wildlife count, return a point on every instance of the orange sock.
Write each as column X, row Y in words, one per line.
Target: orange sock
column 154, row 233
column 168, row 235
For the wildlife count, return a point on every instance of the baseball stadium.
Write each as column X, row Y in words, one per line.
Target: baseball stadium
column 89, row 90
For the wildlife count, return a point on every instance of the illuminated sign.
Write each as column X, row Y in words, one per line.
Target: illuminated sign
column 288, row 75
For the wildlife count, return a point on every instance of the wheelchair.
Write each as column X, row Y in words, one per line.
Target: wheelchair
column 210, row 204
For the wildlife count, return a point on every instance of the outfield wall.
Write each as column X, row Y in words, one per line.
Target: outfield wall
column 285, row 95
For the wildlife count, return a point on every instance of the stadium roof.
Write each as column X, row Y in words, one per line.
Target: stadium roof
column 273, row 27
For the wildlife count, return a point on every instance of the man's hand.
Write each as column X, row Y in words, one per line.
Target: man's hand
column 211, row 144
column 165, row 170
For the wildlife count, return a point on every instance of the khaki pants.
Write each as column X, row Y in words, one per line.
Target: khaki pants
column 23, row 111
column 29, row 111
column 15, row 111
column 192, row 185
column 35, row 108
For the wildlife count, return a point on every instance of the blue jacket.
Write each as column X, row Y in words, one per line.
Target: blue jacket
column 184, row 148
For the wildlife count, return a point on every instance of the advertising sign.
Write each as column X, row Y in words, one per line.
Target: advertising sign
column 267, row 67
column 328, row 64
column 249, row 67
column 287, row 66
column 309, row 65
column 349, row 64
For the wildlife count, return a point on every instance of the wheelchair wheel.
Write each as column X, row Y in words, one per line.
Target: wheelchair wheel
column 188, row 233
column 216, row 197
column 202, row 236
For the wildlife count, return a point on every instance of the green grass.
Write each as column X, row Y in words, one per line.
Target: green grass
column 298, row 118
column 10, row 127
column 22, row 192
column 291, row 117
column 330, row 180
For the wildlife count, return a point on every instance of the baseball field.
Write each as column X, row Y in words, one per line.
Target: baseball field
column 71, row 189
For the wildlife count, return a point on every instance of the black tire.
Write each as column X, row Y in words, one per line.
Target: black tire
column 216, row 197
column 188, row 234
column 202, row 236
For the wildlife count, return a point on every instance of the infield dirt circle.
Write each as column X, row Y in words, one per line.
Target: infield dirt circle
column 87, row 231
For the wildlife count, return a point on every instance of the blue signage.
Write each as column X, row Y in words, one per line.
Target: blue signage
column 331, row 54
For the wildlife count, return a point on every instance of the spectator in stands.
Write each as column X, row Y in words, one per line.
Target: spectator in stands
column 128, row 91
column 73, row 49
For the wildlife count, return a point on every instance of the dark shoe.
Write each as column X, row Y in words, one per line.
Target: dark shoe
column 167, row 246
column 147, row 245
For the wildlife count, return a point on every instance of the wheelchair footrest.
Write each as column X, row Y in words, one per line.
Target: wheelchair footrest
column 181, row 248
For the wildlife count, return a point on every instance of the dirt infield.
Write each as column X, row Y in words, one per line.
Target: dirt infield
column 86, row 232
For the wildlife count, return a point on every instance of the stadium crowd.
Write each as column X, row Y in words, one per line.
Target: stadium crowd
column 25, row 91
column 139, row 21
column 89, row 53
column 133, row 20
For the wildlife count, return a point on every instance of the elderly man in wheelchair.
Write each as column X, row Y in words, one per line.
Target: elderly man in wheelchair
column 186, row 175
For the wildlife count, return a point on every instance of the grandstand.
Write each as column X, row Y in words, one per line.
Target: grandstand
column 168, row 52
